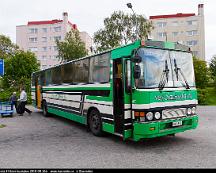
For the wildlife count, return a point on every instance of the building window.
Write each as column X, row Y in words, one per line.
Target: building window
column 57, row 28
column 192, row 22
column 175, row 34
column 44, row 30
column 55, row 48
column 33, row 30
column 57, row 38
column 33, row 49
column 44, row 49
column 191, row 33
column 43, row 57
column 44, row 39
column 175, row 23
column 161, row 34
column 192, row 43
column 161, row 24
column 33, row 39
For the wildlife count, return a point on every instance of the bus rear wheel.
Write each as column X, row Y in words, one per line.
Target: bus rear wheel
column 95, row 123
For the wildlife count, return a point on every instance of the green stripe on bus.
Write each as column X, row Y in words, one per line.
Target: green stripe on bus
column 128, row 134
column 108, row 128
column 163, row 96
column 169, row 45
column 77, row 118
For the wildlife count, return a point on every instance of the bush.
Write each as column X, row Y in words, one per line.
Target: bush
column 202, row 96
column 5, row 95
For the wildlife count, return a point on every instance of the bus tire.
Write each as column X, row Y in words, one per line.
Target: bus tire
column 45, row 111
column 95, row 123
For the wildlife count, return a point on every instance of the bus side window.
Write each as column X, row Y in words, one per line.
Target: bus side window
column 100, row 69
column 56, row 75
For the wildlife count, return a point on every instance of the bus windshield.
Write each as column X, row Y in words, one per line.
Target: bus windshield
column 174, row 67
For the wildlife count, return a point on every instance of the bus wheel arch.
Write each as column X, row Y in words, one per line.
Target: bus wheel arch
column 94, row 121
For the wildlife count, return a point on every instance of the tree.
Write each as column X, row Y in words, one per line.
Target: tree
column 7, row 48
column 201, row 73
column 72, row 47
column 120, row 29
column 18, row 70
column 212, row 68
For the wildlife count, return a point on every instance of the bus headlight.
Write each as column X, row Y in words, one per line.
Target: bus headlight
column 193, row 110
column 149, row 116
column 157, row 115
column 189, row 111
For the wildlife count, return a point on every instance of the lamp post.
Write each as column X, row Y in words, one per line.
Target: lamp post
column 129, row 5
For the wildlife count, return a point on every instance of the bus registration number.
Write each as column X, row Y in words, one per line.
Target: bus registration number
column 177, row 123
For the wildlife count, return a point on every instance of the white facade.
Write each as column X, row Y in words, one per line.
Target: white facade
column 40, row 36
column 185, row 28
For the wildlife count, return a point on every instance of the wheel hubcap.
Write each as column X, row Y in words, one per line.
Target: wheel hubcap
column 95, row 121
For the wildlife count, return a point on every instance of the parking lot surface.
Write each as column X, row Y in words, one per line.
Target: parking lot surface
column 34, row 141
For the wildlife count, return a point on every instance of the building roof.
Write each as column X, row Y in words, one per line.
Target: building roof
column 44, row 22
column 172, row 15
column 47, row 22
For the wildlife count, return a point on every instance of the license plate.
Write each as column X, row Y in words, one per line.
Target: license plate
column 177, row 123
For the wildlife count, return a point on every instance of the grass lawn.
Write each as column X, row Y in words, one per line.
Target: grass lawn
column 2, row 125
column 211, row 96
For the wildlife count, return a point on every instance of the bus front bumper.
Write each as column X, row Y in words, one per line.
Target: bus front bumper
column 164, row 127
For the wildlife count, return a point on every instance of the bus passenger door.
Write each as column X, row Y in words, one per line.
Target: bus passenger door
column 118, row 96
column 38, row 93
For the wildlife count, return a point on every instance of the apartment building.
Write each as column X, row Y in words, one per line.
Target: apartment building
column 40, row 37
column 185, row 28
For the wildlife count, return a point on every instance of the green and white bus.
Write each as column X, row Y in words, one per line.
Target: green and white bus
column 145, row 89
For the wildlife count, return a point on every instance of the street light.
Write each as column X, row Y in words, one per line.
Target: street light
column 129, row 5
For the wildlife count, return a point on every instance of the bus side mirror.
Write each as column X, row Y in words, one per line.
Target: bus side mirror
column 136, row 59
column 137, row 72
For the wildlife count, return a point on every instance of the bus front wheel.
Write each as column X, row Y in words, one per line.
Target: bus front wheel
column 95, row 123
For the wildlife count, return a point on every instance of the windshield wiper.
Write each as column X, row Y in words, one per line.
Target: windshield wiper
column 164, row 77
column 177, row 75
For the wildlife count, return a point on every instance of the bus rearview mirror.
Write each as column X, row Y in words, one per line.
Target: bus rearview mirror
column 136, row 59
column 137, row 72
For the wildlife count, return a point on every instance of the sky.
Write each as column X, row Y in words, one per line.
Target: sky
column 89, row 14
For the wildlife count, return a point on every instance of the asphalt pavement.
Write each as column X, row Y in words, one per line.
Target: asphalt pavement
column 34, row 141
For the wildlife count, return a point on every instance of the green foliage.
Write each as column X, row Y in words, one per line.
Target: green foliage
column 5, row 94
column 202, row 96
column 72, row 47
column 2, row 125
column 7, row 48
column 120, row 29
column 201, row 73
column 212, row 68
column 18, row 69
column 211, row 96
